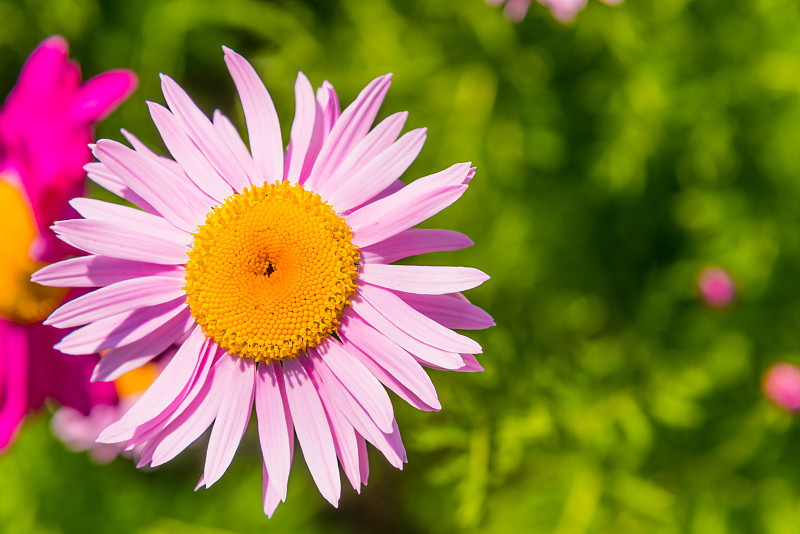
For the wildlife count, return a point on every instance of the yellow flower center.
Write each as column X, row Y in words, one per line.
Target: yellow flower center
column 21, row 300
column 270, row 272
column 135, row 381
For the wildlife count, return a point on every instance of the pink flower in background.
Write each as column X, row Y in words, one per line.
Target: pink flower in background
column 716, row 287
column 782, row 386
column 45, row 126
column 271, row 270
column 79, row 431
column 563, row 10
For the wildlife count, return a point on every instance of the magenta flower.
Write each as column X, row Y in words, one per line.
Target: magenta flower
column 564, row 10
column 716, row 287
column 272, row 270
column 782, row 386
column 45, row 126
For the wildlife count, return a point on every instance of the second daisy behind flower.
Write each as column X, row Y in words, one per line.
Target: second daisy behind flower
column 271, row 270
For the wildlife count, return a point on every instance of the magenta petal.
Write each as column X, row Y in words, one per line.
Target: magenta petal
column 100, row 95
column 13, row 380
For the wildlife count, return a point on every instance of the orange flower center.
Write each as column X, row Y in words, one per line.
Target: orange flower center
column 270, row 272
column 21, row 300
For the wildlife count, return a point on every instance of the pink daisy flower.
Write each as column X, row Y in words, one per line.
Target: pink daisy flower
column 782, row 386
column 564, row 10
column 45, row 125
column 272, row 270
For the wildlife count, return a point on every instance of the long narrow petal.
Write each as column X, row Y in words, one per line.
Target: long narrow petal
column 411, row 321
column 228, row 132
column 424, row 279
column 305, row 128
column 400, row 211
column 118, row 361
column 180, row 204
column 97, row 271
column 312, row 429
column 348, row 130
column 344, row 437
column 375, row 175
column 120, row 240
column 421, row 351
column 263, row 127
column 116, row 298
column 376, row 141
column 188, row 155
column 449, row 311
column 391, row 357
column 165, row 390
column 98, row 96
column 412, row 242
column 102, row 176
column 119, row 330
column 232, row 418
column 275, row 429
column 90, row 208
column 203, row 134
column 364, row 387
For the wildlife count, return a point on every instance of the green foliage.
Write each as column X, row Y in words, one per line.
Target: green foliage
column 616, row 158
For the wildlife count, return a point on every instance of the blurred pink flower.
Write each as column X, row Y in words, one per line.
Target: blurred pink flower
column 564, row 10
column 79, row 431
column 45, row 127
column 782, row 386
column 716, row 287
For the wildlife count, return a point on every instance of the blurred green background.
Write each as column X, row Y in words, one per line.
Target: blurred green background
column 617, row 157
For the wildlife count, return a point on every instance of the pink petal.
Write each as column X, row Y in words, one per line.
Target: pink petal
column 449, row 311
column 179, row 203
column 416, row 324
column 164, row 391
column 412, row 242
column 361, row 384
column 203, row 134
column 116, row 298
column 396, row 361
column 263, row 127
column 192, row 419
column 230, row 135
column 306, row 131
column 376, row 174
column 376, row 141
column 421, row 351
column 90, row 208
column 119, row 330
column 275, row 427
column 411, row 205
column 422, row 279
column 328, row 102
column 121, row 240
column 102, row 176
column 232, row 418
column 96, row 271
column 270, row 495
column 357, row 416
column 312, row 429
column 118, row 361
column 188, row 155
column 348, row 130
column 344, row 437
